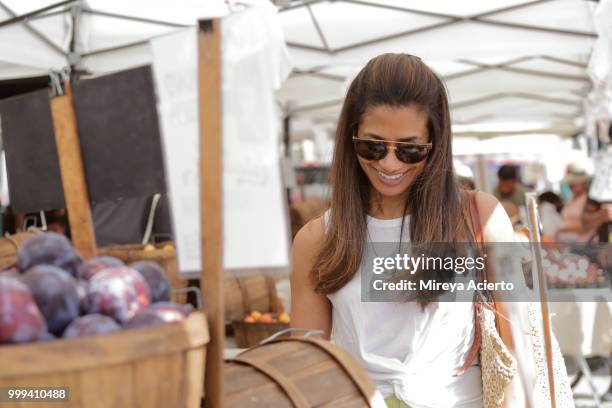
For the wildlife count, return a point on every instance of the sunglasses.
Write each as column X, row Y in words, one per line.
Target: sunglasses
column 409, row 153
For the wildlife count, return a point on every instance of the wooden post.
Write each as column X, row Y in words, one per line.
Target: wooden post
column 211, row 203
column 535, row 241
column 73, row 174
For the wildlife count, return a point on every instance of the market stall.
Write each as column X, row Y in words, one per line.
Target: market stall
column 178, row 347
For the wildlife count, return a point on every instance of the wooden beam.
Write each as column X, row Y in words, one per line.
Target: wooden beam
column 73, row 174
column 211, row 203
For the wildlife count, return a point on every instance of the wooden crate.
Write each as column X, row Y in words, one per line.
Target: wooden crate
column 155, row 367
column 296, row 372
column 163, row 254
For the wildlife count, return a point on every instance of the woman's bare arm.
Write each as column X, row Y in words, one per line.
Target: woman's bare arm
column 309, row 310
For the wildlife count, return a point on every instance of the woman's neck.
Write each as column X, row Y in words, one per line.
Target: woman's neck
column 387, row 208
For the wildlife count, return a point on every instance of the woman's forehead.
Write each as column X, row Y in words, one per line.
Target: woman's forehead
column 394, row 123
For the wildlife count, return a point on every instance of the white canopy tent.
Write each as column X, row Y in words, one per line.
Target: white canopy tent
column 95, row 36
column 504, row 61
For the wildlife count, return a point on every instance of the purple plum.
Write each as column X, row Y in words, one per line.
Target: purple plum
column 159, row 313
column 49, row 248
column 91, row 325
column 20, row 319
column 92, row 266
column 118, row 292
column 56, row 294
column 156, row 279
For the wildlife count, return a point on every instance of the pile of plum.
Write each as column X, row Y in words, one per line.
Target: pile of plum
column 52, row 293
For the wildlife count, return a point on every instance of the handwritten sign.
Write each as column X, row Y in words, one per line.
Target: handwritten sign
column 174, row 69
column 601, row 186
column 255, row 225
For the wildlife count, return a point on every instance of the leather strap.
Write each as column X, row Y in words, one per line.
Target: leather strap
column 475, row 218
column 293, row 393
column 503, row 327
column 477, row 231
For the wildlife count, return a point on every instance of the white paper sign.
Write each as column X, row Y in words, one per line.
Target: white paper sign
column 255, row 226
column 174, row 70
column 601, row 186
column 254, row 220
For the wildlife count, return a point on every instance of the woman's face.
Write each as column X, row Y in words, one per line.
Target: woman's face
column 578, row 188
column 389, row 176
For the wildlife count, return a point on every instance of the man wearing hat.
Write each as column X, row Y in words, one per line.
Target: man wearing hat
column 573, row 229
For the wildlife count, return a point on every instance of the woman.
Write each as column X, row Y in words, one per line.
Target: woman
column 392, row 179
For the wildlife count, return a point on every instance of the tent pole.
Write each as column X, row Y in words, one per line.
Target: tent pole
column 35, row 13
column 211, row 203
column 73, row 173
column 535, row 240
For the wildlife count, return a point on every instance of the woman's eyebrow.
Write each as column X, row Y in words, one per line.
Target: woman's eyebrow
column 403, row 139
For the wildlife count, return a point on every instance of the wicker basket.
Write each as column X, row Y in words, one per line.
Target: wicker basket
column 245, row 294
column 251, row 334
column 155, row 367
column 163, row 254
column 8, row 248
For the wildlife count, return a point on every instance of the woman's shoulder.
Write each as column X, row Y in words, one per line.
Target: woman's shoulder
column 310, row 236
column 486, row 202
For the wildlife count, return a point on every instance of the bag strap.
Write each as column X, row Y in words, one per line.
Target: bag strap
column 474, row 217
column 502, row 325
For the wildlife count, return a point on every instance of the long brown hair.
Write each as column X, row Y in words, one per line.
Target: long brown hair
column 434, row 199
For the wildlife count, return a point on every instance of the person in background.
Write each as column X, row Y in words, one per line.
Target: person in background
column 598, row 216
column 550, row 206
column 512, row 211
column 465, row 175
column 57, row 221
column 573, row 228
column 509, row 187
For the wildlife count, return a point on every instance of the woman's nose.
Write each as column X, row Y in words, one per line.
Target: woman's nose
column 390, row 163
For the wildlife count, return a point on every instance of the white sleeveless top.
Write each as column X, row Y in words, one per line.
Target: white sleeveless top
column 407, row 351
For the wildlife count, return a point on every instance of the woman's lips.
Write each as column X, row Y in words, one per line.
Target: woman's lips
column 390, row 179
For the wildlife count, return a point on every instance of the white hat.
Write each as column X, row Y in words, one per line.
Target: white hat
column 576, row 173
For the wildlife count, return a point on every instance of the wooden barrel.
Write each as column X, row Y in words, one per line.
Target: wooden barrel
column 155, row 367
column 296, row 372
column 163, row 254
column 8, row 248
column 248, row 293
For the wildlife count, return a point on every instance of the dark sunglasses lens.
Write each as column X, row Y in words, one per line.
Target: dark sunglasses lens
column 411, row 154
column 370, row 150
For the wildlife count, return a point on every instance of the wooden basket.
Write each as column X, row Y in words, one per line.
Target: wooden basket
column 9, row 246
column 251, row 334
column 253, row 292
column 297, row 372
column 166, row 258
column 154, row 367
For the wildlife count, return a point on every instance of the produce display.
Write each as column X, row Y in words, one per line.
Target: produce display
column 257, row 326
column 53, row 293
column 569, row 270
column 258, row 317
